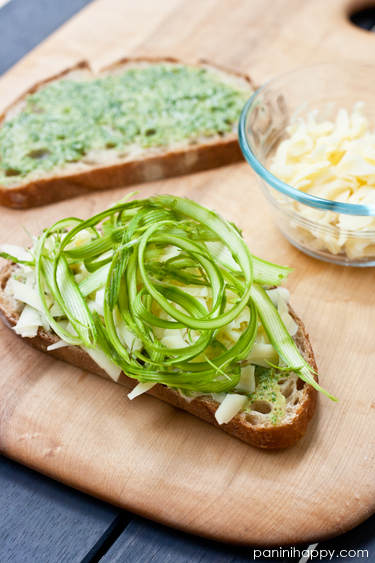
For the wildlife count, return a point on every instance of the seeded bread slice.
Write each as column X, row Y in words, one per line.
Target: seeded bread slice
column 255, row 427
column 109, row 169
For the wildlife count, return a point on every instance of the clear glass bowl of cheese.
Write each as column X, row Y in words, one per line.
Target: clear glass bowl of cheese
column 310, row 137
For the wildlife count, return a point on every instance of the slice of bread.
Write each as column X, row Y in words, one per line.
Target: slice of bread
column 254, row 427
column 109, row 168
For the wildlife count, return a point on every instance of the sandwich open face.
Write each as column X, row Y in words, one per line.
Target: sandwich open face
column 163, row 296
column 136, row 121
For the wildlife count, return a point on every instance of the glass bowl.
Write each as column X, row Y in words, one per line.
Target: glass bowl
column 326, row 87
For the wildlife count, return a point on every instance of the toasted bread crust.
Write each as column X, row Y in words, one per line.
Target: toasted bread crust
column 154, row 167
column 149, row 166
column 268, row 437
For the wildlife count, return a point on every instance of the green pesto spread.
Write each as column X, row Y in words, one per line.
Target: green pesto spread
column 146, row 107
column 267, row 389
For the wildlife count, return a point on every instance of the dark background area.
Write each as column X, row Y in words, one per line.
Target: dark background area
column 42, row 521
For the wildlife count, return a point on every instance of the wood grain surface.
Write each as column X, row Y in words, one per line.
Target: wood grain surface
column 43, row 521
column 144, row 541
column 144, row 455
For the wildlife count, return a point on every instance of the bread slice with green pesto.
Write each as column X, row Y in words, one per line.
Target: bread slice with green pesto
column 136, row 121
column 276, row 415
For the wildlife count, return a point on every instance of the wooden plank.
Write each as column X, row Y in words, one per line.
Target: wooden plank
column 43, row 521
column 358, row 545
column 18, row 37
column 145, row 456
column 143, row 542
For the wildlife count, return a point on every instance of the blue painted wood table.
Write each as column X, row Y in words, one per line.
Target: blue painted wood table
column 42, row 520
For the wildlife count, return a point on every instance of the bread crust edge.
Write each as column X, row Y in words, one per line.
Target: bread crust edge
column 278, row 436
column 155, row 166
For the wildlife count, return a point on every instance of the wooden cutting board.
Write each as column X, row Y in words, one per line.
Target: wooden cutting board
column 147, row 456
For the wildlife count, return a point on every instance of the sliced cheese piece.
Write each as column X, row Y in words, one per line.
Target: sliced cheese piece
column 282, row 307
column 168, row 252
column 81, row 238
column 139, row 389
column 30, row 276
column 26, row 294
column 82, row 274
column 247, row 381
column 63, row 323
column 45, row 323
column 233, row 335
column 284, row 293
column 17, row 251
column 57, row 345
column 200, row 294
column 127, row 338
column 195, row 291
column 230, row 406
column 103, row 362
column 176, row 341
column 286, row 318
column 99, row 301
column 55, row 310
column 274, row 294
column 243, row 317
column 262, row 352
column 28, row 323
column 158, row 332
column 290, row 325
column 70, row 328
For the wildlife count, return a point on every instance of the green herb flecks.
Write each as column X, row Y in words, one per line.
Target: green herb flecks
column 69, row 120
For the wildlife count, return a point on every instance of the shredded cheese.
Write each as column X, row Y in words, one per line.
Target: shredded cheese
column 32, row 318
column 334, row 161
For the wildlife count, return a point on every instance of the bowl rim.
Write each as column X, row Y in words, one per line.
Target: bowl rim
column 279, row 185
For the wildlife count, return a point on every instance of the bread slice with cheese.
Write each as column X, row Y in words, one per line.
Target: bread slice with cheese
column 256, row 425
column 108, row 166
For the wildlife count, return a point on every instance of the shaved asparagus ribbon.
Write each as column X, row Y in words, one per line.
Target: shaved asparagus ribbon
column 125, row 255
